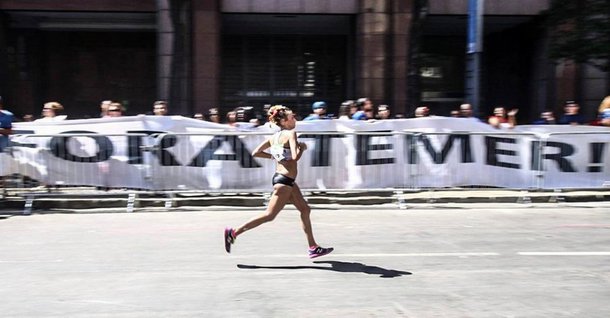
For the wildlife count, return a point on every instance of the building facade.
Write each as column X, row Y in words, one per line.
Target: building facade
column 200, row 54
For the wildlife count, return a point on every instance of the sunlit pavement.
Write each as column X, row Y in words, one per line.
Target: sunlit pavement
column 476, row 260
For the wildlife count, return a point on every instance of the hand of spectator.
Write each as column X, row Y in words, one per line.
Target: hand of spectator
column 494, row 121
column 513, row 112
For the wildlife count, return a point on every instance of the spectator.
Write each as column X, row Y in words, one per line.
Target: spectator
column 604, row 112
column 546, row 118
column 349, row 109
column 359, row 114
column 353, row 107
column 28, row 117
column 422, row 111
column 383, row 112
column 160, row 108
column 263, row 116
column 367, row 109
column 455, row 113
column 604, row 117
column 6, row 125
column 214, row 115
column 500, row 119
column 466, row 110
column 115, row 110
column 245, row 118
column 244, row 114
column 344, row 110
column 231, row 118
column 571, row 115
column 50, row 112
column 104, row 108
column 199, row 116
column 319, row 111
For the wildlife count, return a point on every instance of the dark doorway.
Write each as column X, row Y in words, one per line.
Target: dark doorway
column 84, row 68
column 292, row 60
column 293, row 71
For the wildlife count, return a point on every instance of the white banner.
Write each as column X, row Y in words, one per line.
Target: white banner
column 153, row 152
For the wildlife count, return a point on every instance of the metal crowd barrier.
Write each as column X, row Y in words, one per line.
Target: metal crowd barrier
column 596, row 152
column 140, row 166
column 74, row 166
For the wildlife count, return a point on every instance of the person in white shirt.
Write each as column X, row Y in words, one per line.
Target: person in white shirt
column 50, row 112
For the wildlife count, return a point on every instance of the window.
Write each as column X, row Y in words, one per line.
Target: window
column 292, row 70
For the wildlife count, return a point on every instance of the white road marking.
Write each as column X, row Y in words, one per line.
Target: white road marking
column 376, row 255
column 421, row 254
column 32, row 261
column 564, row 253
column 372, row 255
column 455, row 254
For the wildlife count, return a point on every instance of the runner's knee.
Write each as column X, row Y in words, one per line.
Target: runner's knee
column 306, row 210
column 269, row 217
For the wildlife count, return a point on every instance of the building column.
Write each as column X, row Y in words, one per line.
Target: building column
column 3, row 58
column 401, row 26
column 206, row 54
column 372, row 42
column 173, row 55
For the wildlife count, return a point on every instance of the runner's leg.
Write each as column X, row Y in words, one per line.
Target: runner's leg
column 279, row 198
column 303, row 207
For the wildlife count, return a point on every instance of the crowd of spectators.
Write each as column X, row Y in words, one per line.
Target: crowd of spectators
column 6, row 120
column 501, row 118
column 362, row 109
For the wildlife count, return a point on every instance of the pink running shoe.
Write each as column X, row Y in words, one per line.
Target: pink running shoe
column 319, row 251
column 229, row 238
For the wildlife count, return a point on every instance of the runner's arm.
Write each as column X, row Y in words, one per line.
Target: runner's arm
column 296, row 148
column 259, row 150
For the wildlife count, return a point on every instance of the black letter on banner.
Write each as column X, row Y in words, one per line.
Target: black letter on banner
column 165, row 157
column 59, row 147
column 241, row 153
column 493, row 151
column 134, row 145
column 597, row 152
column 411, row 149
column 441, row 157
column 565, row 150
column 321, row 148
column 363, row 147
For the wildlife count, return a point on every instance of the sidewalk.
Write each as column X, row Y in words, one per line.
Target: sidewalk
column 88, row 198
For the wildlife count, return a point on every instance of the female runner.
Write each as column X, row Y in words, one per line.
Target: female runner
column 286, row 150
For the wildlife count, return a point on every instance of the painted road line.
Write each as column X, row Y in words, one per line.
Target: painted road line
column 441, row 254
column 32, row 261
column 377, row 255
column 564, row 253
column 421, row 254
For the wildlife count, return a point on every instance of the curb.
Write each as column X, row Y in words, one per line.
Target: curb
column 75, row 201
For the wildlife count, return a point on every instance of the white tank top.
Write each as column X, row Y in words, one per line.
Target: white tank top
column 277, row 150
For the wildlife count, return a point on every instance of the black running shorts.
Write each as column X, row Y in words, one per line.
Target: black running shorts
column 282, row 179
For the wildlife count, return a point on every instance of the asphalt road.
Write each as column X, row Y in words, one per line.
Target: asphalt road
column 460, row 261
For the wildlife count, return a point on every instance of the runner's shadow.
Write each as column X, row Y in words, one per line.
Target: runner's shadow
column 337, row 266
